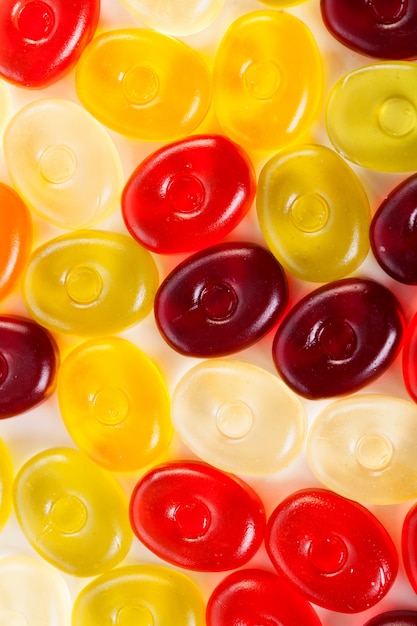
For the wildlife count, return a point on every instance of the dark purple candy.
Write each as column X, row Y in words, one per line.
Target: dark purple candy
column 394, row 618
column 338, row 338
column 221, row 300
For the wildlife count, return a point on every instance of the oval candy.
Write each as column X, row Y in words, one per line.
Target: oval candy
column 408, row 545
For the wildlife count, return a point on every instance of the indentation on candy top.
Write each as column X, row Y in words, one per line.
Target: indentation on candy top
column 140, row 85
column 57, row 164
column 262, row 79
column 193, row 518
column 397, row 116
column 219, row 301
column 374, row 451
column 337, row 339
column 234, row 419
column 35, row 20
column 83, row 284
column 137, row 614
column 12, row 618
column 309, row 212
column 68, row 514
column 185, row 193
column 110, row 406
column 328, row 554
column 388, row 11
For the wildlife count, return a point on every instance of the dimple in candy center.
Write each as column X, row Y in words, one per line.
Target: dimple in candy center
column 193, row 519
column 135, row 614
column 234, row 419
column 309, row 212
column 83, row 284
column 218, row 300
column 185, row 192
column 262, row 79
column 3, row 368
column 57, row 164
column 388, row 11
column 110, row 406
column 35, row 20
column 374, row 452
column 397, row 116
column 337, row 339
column 328, row 554
column 69, row 514
column 12, row 618
column 140, row 85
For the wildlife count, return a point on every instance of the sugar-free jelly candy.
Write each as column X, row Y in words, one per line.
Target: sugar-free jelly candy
column 409, row 545
column 238, row 417
column 154, row 87
column 139, row 595
column 336, row 552
column 114, row 403
column 15, row 238
column 338, row 338
column 378, row 28
column 372, row 116
column 409, row 360
column 41, row 40
column 6, row 482
column 90, row 283
column 312, row 208
column 221, row 300
column 197, row 517
column 73, row 513
column 63, row 163
column 255, row 596
column 189, row 194
column 394, row 618
column 29, row 362
column 257, row 100
column 363, row 447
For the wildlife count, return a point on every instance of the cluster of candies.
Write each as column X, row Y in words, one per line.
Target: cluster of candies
column 193, row 288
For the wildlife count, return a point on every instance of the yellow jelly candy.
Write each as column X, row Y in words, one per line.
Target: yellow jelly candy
column 144, row 84
column 6, row 483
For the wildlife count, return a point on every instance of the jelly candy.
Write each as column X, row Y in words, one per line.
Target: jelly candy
column 90, row 283
column 140, row 594
column 255, row 596
column 154, row 87
column 372, row 116
column 114, row 403
column 5, row 106
column 312, row 208
column 378, row 28
column 72, row 512
column 409, row 360
column 238, row 417
column 63, row 163
column 338, row 338
column 29, row 360
column 41, row 40
column 335, row 551
column 281, row 4
column 221, row 300
column 6, row 482
column 357, row 448
column 188, row 195
column 257, row 101
column 408, row 545
column 197, row 517
column 16, row 238
column 394, row 618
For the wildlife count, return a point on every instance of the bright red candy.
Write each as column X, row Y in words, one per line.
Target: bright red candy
column 41, row 40
column 197, row 517
column 334, row 550
column 409, row 546
column 410, row 358
column 394, row 618
column 189, row 194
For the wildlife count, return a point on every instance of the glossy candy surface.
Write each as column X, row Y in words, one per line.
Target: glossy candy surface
column 41, row 40
column 335, row 551
column 338, row 338
column 409, row 360
column 394, row 618
column 156, row 88
column 221, row 300
column 6, row 483
column 72, row 512
column 311, row 208
column 189, row 194
column 90, row 283
column 253, row 78
column 197, row 517
column 114, row 403
column 408, row 545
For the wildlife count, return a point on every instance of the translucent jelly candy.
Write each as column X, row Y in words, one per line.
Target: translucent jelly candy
column 6, row 482
column 335, row 551
column 197, row 517
column 221, row 300
column 188, row 195
column 409, row 361
column 257, row 101
column 338, row 338
column 379, row 28
column 72, row 512
column 408, row 545
column 357, row 448
column 90, row 283
column 41, row 40
column 372, row 116
column 5, row 106
column 312, row 208
column 29, row 362
column 16, row 238
column 140, row 595
column 394, row 618
column 114, row 403
column 238, row 417
column 255, row 596
column 63, row 163
column 155, row 88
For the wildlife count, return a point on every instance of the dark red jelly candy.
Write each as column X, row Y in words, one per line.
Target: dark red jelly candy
column 409, row 545
column 28, row 365
column 338, row 338
column 333, row 550
column 197, row 517
column 189, row 194
column 394, row 618
column 221, row 300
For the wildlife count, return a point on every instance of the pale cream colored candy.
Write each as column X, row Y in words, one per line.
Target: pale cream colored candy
column 5, row 105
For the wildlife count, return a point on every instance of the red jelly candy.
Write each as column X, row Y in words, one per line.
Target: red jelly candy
column 385, row 29
column 255, row 596
column 28, row 365
column 409, row 546
column 410, row 359
column 338, row 338
column 197, row 517
column 188, row 195
column 41, row 40
column 221, row 300
column 394, row 618
column 335, row 552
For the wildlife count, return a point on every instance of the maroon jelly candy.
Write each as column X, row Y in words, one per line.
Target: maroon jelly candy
column 221, row 300
column 394, row 618
column 338, row 338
